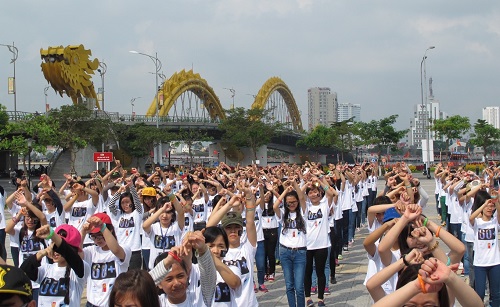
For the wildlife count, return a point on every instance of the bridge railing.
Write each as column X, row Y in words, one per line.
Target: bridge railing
column 19, row 115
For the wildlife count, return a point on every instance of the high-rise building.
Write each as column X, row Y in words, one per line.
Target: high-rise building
column 423, row 117
column 348, row 110
column 322, row 105
column 492, row 116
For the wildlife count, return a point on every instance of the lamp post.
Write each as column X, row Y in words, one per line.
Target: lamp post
column 45, row 93
column 224, row 148
column 15, row 53
column 424, row 119
column 156, row 61
column 100, row 91
column 30, row 144
column 132, row 104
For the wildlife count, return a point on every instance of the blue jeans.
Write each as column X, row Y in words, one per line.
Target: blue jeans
column 327, row 271
column 470, row 252
column 493, row 275
column 14, row 251
column 352, row 222
column 145, row 258
column 260, row 262
column 3, row 251
column 455, row 230
column 293, row 263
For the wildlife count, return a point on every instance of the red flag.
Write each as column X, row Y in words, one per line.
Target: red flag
column 407, row 155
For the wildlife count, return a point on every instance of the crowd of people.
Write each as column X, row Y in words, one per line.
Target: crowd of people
column 193, row 238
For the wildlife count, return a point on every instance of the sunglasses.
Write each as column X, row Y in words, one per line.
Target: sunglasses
column 93, row 236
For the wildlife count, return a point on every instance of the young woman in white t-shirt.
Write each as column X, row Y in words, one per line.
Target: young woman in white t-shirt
column 486, row 251
column 62, row 282
column 127, row 215
column 320, row 199
column 292, row 245
column 166, row 233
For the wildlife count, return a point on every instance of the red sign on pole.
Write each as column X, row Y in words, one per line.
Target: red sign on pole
column 103, row 157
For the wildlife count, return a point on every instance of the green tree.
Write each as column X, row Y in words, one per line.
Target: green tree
column 485, row 135
column 77, row 127
column 248, row 128
column 139, row 140
column 320, row 137
column 453, row 127
column 380, row 133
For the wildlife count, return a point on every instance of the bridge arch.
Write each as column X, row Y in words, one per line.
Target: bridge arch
column 285, row 109
column 177, row 86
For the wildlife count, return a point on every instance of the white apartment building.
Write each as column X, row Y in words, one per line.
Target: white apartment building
column 492, row 116
column 346, row 111
column 423, row 116
column 322, row 106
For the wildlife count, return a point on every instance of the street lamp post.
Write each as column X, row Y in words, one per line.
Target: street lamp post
column 102, row 71
column 132, row 104
column 224, row 148
column 424, row 119
column 15, row 53
column 156, row 61
column 30, row 144
column 45, row 93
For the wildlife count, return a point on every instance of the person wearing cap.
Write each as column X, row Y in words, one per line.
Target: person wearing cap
column 62, row 282
column 107, row 259
column 240, row 253
column 81, row 207
column 15, row 287
column 148, row 200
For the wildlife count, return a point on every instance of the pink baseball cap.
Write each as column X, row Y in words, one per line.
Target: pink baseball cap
column 72, row 237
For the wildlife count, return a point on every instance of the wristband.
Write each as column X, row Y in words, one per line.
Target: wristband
column 50, row 234
column 15, row 220
column 434, row 247
column 437, row 232
column 103, row 227
column 404, row 260
column 422, row 283
column 250, row 209
column 326, row 188
column 408, row 186
column 176, row 258
column 425, row 221
column 448, row 262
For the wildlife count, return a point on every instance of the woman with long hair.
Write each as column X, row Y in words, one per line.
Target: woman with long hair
column 62, row 282
column 127, row 214
column 486, row 251
column 29, row 243
column 292, row 242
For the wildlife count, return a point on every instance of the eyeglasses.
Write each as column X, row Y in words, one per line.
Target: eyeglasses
column 96, row 236
column 33, row 219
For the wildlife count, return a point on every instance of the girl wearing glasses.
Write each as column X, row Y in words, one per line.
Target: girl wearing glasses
column 107, row 259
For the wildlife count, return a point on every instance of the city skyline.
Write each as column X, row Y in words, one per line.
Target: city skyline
column 240, row 44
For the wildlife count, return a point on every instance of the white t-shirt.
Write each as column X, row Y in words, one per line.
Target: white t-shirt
column 291, row 237
column 269, row 219
column 2, row 212
column 243, row 257
column 27, row 247
column 348, row 197
column 193, row 294
column 162, row 240
column 79, row 213
column 317, row 224
column 105, row 267
column 466, row 225
column 375, row 265
column 54, row 219
column 486, row 252
column 53, row 288
column 14, row 240
column 188, row 222
column 225, row 296
column 199, row 210
column 128, row 229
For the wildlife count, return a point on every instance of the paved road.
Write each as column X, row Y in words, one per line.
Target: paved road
column 349, row 290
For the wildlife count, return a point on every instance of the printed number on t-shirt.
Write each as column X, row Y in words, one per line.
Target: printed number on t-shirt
column 103, row 270
column 486, row 234
column 52, row 287
column 79, row 212
column 126, row 223
column 164, row 243
column 222, row 292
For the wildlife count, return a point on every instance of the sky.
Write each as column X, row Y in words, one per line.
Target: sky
column 368, row 52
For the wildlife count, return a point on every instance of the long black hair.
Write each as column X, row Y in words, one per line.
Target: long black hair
column 479, row 199
column 161, row 202
column 411, row 273
column 24, row 230
column 269, row 211
column 299, row 220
